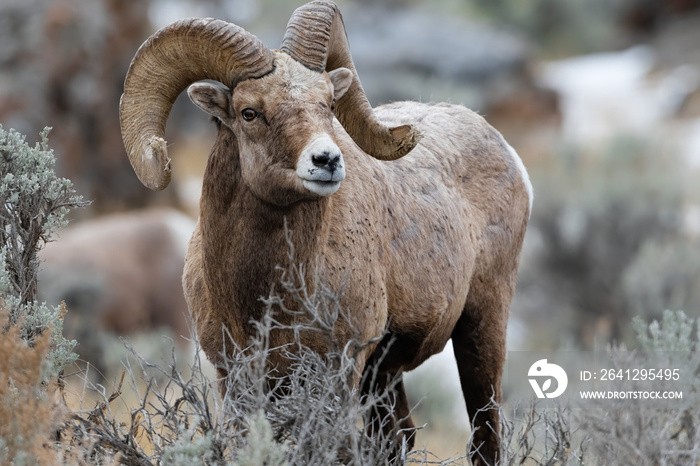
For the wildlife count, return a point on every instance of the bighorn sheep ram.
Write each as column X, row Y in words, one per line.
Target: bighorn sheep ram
column 418, row 209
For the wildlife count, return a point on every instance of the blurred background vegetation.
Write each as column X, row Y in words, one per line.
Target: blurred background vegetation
column 601, row 98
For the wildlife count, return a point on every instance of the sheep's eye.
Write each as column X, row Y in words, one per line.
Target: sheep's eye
column 249, row 114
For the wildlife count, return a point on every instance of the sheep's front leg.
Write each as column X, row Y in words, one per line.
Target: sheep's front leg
column 389, row 413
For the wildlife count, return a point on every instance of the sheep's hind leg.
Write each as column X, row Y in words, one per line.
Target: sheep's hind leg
column 479, row 341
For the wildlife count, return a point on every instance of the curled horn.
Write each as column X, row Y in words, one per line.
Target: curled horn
column 170, row 60
column 316, row 38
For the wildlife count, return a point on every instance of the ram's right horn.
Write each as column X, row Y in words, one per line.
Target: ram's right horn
column 316, row 38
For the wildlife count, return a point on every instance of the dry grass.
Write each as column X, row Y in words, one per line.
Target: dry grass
column 32, row 411
column 28, row 414
column 170, row 413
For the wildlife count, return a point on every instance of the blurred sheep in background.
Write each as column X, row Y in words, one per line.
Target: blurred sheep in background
column 119, row 274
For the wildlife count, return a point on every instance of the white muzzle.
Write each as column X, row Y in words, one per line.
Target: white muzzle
column 321, row 166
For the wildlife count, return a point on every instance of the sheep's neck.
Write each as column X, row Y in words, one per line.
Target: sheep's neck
column 244, row 242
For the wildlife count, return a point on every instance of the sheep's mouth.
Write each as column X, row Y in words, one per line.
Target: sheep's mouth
column 322, row 188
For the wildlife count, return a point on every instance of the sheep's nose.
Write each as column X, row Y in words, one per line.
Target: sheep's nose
column 325, row 160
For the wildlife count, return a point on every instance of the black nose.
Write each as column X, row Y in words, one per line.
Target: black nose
column 325, row 160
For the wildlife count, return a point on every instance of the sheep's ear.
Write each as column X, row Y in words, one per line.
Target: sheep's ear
column 212, row 98
column 341, row 79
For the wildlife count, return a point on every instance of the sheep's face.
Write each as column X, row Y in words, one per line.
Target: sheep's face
column 283, row 124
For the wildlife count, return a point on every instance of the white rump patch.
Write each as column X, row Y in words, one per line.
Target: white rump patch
column 323, row 180
column 523, row 174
